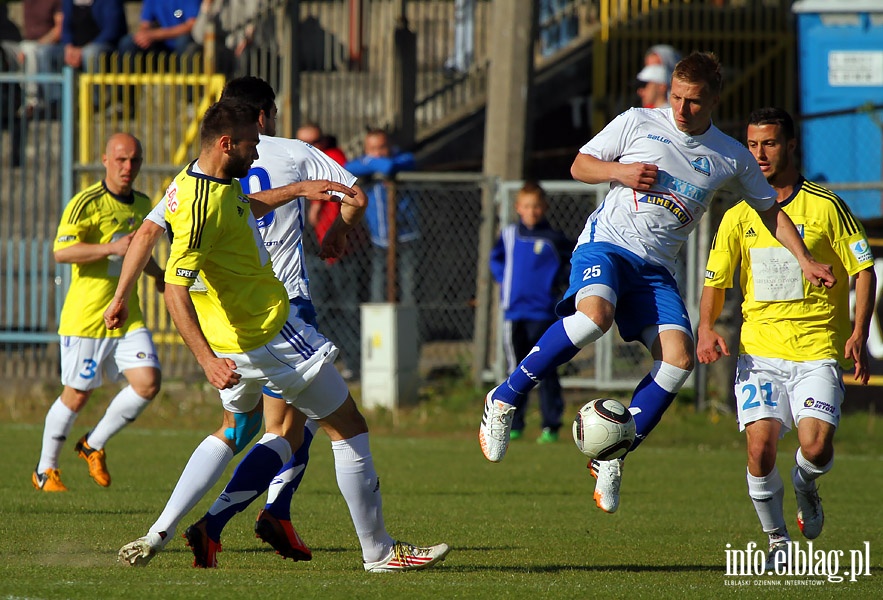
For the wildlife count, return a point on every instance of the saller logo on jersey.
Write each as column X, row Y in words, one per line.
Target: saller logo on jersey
column 66, row 238
column 186, row 273
column 709, row 274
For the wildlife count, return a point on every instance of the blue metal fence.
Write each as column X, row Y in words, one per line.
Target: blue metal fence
column 36, row 179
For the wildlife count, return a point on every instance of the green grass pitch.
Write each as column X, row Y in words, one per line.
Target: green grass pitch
column 524, row 528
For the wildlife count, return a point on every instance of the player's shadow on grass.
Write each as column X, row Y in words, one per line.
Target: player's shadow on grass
column 592, row 568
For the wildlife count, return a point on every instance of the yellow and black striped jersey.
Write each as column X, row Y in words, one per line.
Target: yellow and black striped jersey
column 97, row 216
column 784, row 315
column 214, row 235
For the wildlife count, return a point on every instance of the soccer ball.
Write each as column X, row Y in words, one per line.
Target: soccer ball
column 604, row 429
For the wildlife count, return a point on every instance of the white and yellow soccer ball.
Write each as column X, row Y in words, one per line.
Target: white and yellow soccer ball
column 604, row 429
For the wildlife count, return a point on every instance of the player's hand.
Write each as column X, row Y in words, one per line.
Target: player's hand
column 819, row 274
column 857, row 351
column 333, row 244
column 320, row 191
column 638, row 176
column 221, row 372
column 710, row 346
column 121, row 246
column 116, row 314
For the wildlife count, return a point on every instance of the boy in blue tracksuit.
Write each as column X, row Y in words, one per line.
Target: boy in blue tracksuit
column 530, row 262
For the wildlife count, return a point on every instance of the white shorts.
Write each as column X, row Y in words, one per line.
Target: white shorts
column 788, row 391
column 84, row 359
column 287, row 366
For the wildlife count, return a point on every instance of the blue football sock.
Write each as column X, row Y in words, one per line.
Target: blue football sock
column 250, row 479
column 555, row 349
column 288, row 480
column 649, row 402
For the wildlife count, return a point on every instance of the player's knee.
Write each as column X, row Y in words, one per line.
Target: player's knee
column 668, row 376
column 761, row 455
column 817, row 451
column 680, row 360
column 245, row 428
column 582, row 330
column 149, row 387
column 75, row 399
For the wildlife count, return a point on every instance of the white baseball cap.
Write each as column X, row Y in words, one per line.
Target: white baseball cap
column 655, row 74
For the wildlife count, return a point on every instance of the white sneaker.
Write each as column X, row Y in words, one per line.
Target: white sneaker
column 496, row 424
column 405, row 557
column 810, row 516
column 608, row 477
column 139, row 552
column 778, row 548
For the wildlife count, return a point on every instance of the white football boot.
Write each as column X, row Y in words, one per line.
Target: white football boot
column 142, row 550
column 496, row 425
column 406, row 557
column 608, row 477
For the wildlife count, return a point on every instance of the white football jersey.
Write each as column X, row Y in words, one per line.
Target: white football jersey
column 282, row 161
column 655, row 224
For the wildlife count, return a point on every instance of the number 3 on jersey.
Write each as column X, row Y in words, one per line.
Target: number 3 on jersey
column 749, row 392
column 593, row 271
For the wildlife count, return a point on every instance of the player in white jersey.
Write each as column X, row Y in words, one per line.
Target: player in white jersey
column 663, row 166
column 282, row 164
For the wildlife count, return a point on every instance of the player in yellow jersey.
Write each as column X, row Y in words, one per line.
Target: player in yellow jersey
column 96, row 228
column 796, row 338
column 244, row 336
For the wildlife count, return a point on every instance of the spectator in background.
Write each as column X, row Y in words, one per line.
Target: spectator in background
column 10, row 93
column 40, row 50
column 10, row 36
column 530, row 262
column 653, row 83
column 165, row 27
column 334, row 282
column 234, row 23
column 382, row 161
column 662, row 54
column 91, row 28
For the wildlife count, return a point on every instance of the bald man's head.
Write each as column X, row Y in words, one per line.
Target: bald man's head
column 122, row 162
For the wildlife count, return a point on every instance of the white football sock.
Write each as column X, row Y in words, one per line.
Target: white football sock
column 203, row 470
column 360, row 486
column 123, row 409
column 767, row 494
column 59, row 421
column 807, row 472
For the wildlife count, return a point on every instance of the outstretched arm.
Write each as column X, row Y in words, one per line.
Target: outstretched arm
column 314, row 191
column 137, row 258
column 856, row 346
column 782, row 227
column 351, row 212
column 710, row 346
